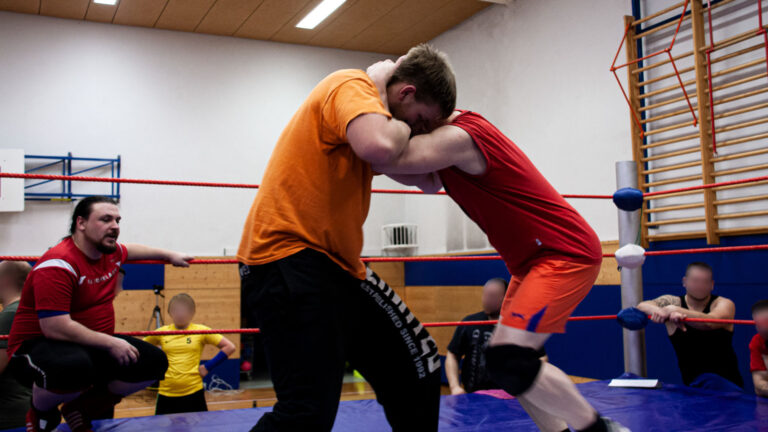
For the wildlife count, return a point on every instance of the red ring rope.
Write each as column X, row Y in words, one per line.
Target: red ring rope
column 432, row 258
column 385, row 191
column 431, row 324
column 216, row 184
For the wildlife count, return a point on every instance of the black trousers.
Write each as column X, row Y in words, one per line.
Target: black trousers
column 194, row 402
column 69, row 367
column 314, row 317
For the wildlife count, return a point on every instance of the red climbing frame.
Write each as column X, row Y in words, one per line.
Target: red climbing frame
column 761, row 30
column 668, row 51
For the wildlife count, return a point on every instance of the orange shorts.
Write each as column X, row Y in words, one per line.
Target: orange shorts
column 543, row 299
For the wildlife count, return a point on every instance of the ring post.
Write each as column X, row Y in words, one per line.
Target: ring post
column 631, row 279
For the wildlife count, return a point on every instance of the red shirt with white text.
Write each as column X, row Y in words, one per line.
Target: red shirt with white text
column 66, row 281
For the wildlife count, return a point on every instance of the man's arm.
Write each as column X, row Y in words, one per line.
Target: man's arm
column 142, row 252
column 659, row 312
column 377, row 139
column 452, row 373
column 62, row 327
column 428, row 183
column 446, row 146
column 655, row 307
column 723, row 308
column 760, row 380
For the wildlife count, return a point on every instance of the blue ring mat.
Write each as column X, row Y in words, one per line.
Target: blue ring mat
column 670, row 408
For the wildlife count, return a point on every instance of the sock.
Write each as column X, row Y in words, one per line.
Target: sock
column 47, row 419
column 598, row 426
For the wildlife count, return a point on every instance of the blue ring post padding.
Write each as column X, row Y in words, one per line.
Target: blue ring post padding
column 632, row 319
column 628, row 199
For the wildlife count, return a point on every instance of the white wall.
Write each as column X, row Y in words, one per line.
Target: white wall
column 173, row 105
column 188, row 106
column 539, row 71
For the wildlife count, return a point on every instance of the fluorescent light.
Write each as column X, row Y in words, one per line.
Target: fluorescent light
column 106, row 2
column 319, row 13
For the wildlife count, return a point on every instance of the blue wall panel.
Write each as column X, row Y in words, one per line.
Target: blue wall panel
column 143, row 276
column 454, row 273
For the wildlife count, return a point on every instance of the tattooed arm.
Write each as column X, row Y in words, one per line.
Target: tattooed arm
column 661, row 311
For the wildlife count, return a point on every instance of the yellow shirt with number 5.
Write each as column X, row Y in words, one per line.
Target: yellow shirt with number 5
column 183, row 352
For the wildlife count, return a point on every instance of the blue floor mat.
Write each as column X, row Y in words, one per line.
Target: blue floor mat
column 671, row 408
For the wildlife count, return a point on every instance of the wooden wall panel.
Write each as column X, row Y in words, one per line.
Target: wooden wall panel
column 609, row 273
column 142, row 13
column 22, row 6
column 74, row 9
column 398, row 20
column 216, row 290
column 368, row 25
column 443, row 303
column 183, row 15
column 434, row 23
column 352, row 21
column 289, row 33
column 226, row 16
column 133, row 309
column 393, row 273
column 101, row 13
column 269, row 18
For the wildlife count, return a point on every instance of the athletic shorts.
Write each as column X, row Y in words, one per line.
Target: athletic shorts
column 194, row 402
column 543, row 299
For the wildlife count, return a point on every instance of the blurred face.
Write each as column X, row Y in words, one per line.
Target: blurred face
column 761, row 322
column 102, row 227
column 421, row 117
column 181, row 314
column 698, row 283
column 493, row 297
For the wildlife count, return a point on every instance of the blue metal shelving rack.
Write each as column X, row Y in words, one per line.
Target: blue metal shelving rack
column 66, row 193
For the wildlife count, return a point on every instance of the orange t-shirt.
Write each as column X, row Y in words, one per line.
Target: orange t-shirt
column 316, row 191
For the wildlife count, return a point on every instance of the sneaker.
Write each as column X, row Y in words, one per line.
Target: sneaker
column 614, row 426
column 91, row 405
column 42, row 421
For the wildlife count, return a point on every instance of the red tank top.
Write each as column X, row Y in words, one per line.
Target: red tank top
column 525, row 218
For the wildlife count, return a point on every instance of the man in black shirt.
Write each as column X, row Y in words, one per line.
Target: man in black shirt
column 704, row 351
column 14, row 398
column 469, row 343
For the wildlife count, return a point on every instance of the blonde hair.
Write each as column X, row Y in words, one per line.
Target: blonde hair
column 182, row 298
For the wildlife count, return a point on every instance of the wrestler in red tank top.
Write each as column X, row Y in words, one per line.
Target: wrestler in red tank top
column 525, row 218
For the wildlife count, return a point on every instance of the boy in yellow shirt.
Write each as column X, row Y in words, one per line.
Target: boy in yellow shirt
column 182, row 389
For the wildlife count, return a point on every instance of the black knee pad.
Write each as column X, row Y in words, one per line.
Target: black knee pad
column 513, row 367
